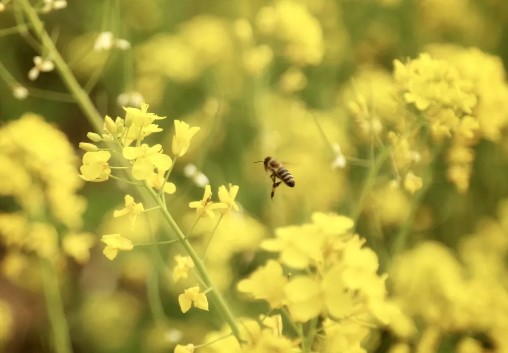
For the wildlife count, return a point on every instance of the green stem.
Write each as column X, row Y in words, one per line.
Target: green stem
column 215, row 295
column 54, row 303
column 157, row 243
column 81, row 96
column 369, row 181
column 211, row 235
column 154, row 300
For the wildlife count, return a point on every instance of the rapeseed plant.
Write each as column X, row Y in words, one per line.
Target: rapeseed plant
column 388, row 243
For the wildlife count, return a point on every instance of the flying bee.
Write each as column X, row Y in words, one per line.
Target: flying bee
column 278, row 172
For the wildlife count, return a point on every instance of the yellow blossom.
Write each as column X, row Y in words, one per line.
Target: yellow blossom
column 412, row 182
column 135, row 116
column 227, row 197
column 266, row 283
column 304, row 298
column 140, row 123
column 78, row 245
column 95, row 166
column 43, row 239
column 273, row 322
column 114, row 243
column 88, row 147
column 146, row 159
column 182, row 137
column 297, row 29
column 189, row 348
column 205, row 207
column 182, row 267
column 293, row 80
column 192, row 297
column 298, row 246
column 332, row 224
column 256, row 59
column 131, row 208
column 157, row 181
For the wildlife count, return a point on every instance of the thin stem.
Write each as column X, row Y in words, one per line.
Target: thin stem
column 325, row 138
column 215, row 295
column 284, row 312
column 125, row 180
column 154, row 300
column 52, row 95
column 211, row 236
column 54, row 303
column 6, row 75
column 158, row 243
column 81, row 96
column 369, row 181
column 161, row 192
column 214, row 341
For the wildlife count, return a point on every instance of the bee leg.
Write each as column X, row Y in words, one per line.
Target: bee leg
column 274, row 186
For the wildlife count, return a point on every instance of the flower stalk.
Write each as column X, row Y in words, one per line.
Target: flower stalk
column 96, row 120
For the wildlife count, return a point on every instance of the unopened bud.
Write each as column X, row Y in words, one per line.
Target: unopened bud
column 109, row 125
column 94, row 137
column 88, row 147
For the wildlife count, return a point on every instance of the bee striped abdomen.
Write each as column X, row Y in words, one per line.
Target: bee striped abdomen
column 286, row 177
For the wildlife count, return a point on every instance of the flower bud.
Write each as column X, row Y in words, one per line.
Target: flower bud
column 94, row 137
column 88, row 147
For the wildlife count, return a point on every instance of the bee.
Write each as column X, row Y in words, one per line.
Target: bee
column 278, row 172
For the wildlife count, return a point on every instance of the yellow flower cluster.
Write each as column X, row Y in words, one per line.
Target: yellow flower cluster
column 333, row 276
column 438, row 104
column 298, row 30
column 148, row 164
column 262, row 335
column 198, row 45
column 456, row 295
column 37, row 170
column 126, row 136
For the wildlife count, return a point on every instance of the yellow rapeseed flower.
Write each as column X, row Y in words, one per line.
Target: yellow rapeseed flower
column 298, row 246
column 182, row 267
column 205, row 207
column 182, row 137
column 131, row 208
column 78, row 245
column 157, row 181
column 192, row 297
column 115, row 243
column 228, row 197
column 140, row 117
column 266, row 283
column 412, row 182
column 95, row 166
column 188, row 348
column 145, row 159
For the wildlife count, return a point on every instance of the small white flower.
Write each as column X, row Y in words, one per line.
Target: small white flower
column 41, row 65
column 173, row 335
column 192, row 172
column 107, row 41
column 104, row 41
column 130, row 99
column 50, row 5
column 340, row 160
column 19, row 92
column 122, row 44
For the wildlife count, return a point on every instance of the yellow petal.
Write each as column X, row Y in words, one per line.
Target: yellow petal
column 110, row 252
column 185, row 302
